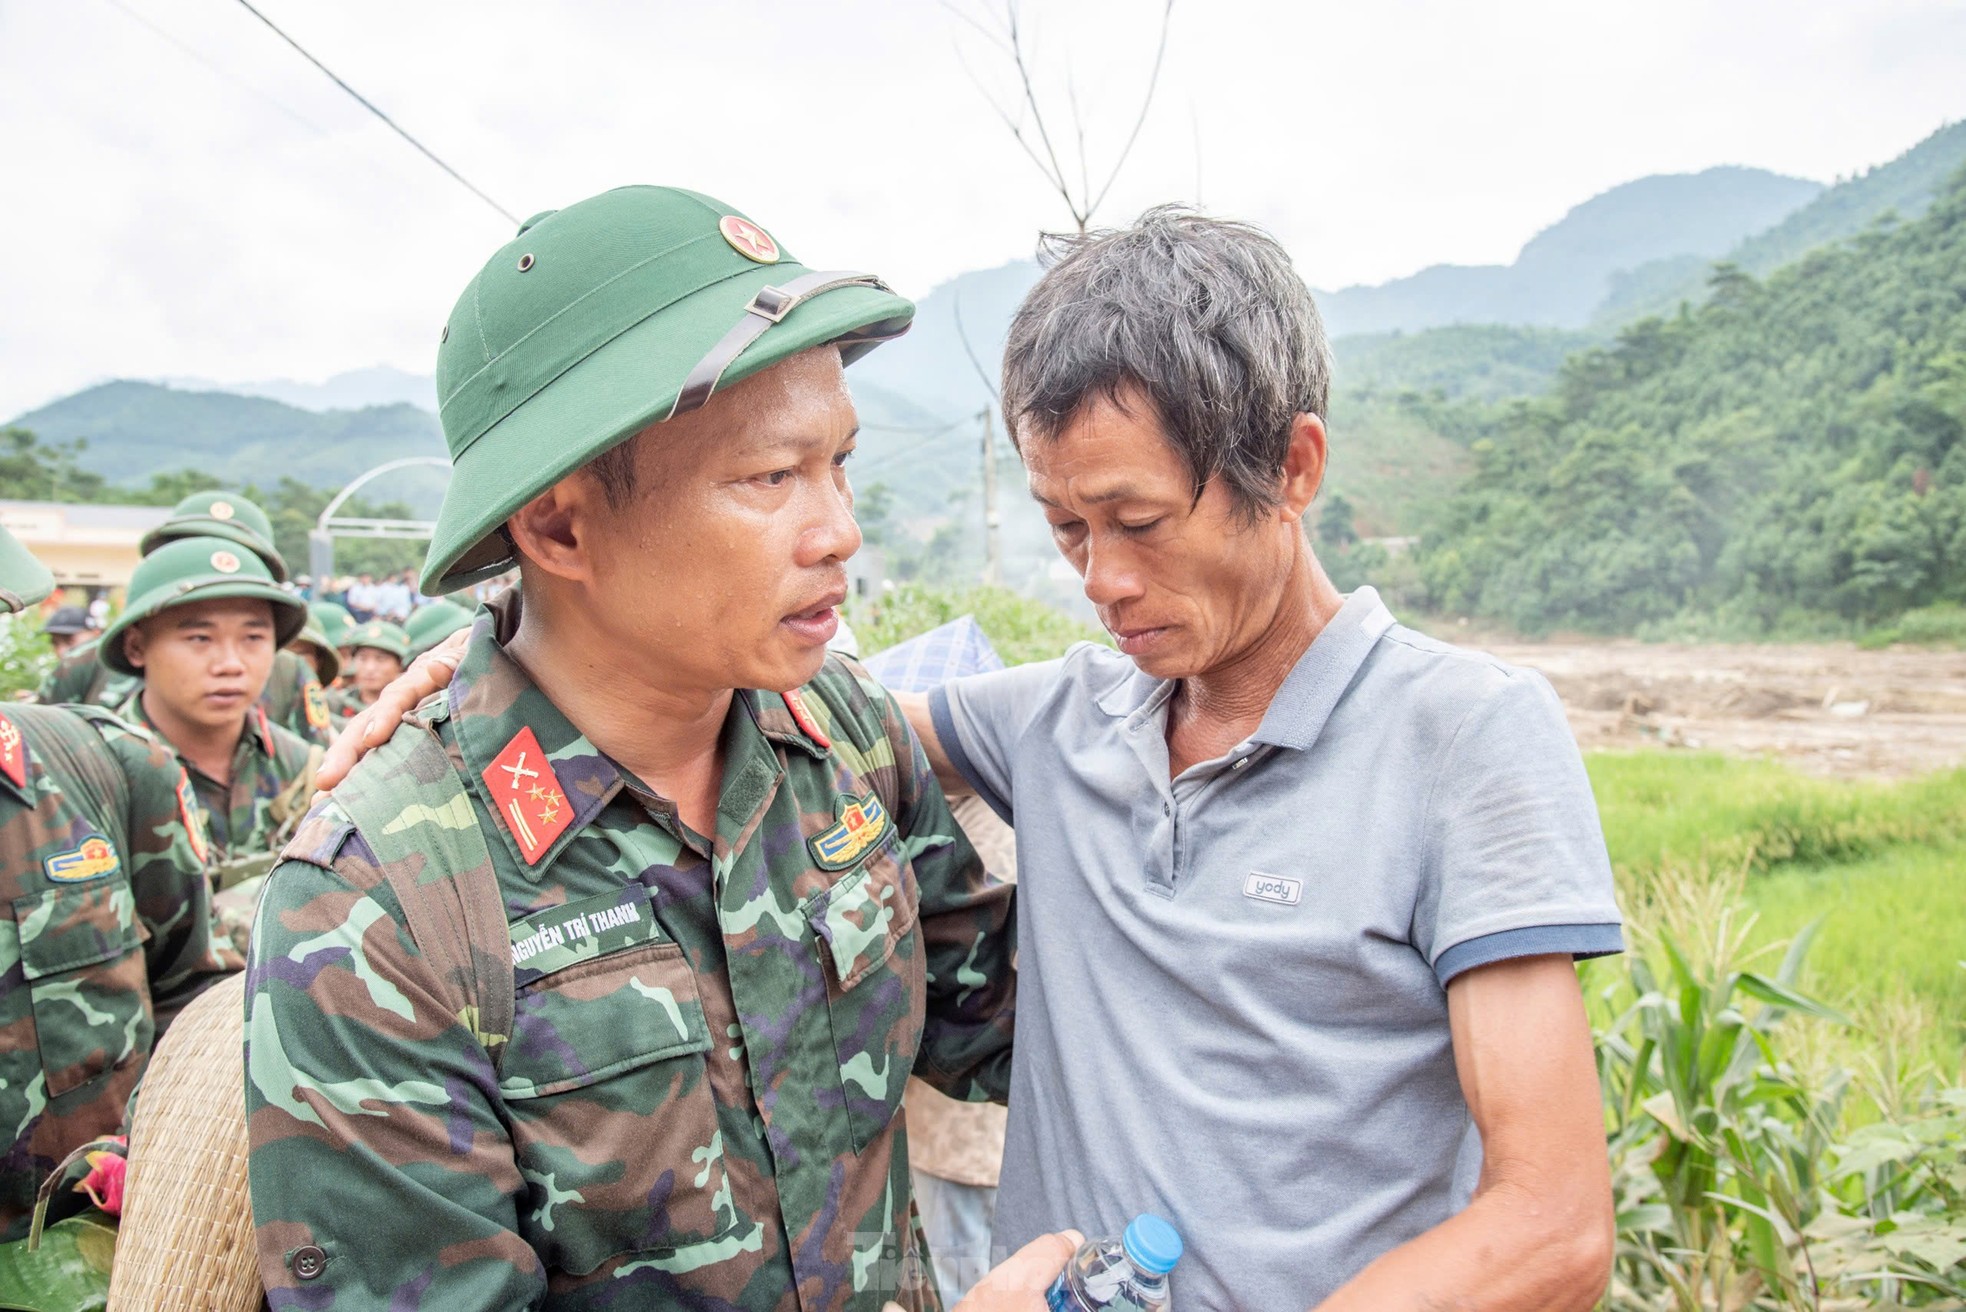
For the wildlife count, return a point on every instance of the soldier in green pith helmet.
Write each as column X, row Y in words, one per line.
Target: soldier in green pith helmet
column 203, row 625
column 631, row 939
column 292, row 696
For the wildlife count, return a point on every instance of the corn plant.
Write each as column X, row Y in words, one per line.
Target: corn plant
column 1737, row 1184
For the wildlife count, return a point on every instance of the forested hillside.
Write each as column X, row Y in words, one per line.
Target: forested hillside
column 1794, row 448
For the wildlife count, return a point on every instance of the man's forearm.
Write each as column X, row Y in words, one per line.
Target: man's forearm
column 1514, row 1249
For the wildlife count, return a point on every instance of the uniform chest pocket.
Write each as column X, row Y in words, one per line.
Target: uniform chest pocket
column 84, row 971
column 614, row 1127
column 863, row 928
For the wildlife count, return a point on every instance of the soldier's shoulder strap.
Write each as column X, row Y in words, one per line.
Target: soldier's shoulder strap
column 69, row 741
column 412, row 809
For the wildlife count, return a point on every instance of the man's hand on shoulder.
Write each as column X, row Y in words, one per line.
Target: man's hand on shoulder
column 371, row 728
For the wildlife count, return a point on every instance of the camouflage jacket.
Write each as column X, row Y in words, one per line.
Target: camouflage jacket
column 293, row 698
column 698, row 1105
column 104, row 934
column 272, row 782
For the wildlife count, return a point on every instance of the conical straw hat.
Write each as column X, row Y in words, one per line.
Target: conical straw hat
column 186, row 1240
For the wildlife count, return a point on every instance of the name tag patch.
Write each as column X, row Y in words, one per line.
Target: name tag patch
column 1273, row 888
column 581, row 930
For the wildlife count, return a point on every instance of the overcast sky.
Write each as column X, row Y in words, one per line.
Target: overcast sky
column 183, row 195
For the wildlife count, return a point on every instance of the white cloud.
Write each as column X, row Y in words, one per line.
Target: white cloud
column 162, row 217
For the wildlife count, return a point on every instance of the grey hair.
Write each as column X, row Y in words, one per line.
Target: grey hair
column 1206, row 318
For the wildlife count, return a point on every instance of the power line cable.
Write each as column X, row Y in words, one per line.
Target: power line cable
column 191, row 52
column 364, row 101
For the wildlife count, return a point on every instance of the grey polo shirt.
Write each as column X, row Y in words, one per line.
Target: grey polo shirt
column 1232, row 1004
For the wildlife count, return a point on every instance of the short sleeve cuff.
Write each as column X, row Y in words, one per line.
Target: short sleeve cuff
column 943, row 718
column 1580, row 941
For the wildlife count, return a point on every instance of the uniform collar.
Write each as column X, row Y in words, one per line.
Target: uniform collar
column 1310, row 692
column 493, row 700
column 258, row 734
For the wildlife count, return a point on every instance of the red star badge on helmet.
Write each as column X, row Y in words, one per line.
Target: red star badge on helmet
column 748, row 239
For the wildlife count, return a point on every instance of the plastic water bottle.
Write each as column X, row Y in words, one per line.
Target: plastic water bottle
column 1128, row 1274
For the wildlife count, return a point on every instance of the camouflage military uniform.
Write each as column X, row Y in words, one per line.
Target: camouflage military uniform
column 293, row 699
column 698, row 1103
column 105, row 934
column 248, row 818
column 272, row 781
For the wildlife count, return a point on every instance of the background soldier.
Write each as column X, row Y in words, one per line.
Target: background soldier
column 718, row 907
column 102, row 885
column 203, row 626
column 81, row 675
column 381, row 650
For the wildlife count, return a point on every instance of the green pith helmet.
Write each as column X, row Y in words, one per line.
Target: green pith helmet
column 431, row 624
column 198, row 569
column 334, row 621
column 383, row 636
column 602, row 318
column 323, row 655
column 220, row 515
column 23, row 579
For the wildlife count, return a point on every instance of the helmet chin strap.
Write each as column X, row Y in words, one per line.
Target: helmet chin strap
column 768, row 307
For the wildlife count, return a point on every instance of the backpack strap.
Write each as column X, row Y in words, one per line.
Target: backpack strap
column 411, row 807
column 68, row 741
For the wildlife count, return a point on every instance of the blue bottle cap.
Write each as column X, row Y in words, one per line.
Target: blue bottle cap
column 1152, row 1243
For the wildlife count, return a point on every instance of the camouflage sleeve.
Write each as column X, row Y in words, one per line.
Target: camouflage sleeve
column 382, row 1173
column 968, row 925
column 167, row 872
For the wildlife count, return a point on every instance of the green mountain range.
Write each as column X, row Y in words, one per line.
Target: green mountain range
column 1790, row 454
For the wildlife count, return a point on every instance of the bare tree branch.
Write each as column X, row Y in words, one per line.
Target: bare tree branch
column 1153, row 80
column 1057, row 171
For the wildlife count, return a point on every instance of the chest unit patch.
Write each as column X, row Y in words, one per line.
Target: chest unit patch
column 863, row 822
column 92, row 860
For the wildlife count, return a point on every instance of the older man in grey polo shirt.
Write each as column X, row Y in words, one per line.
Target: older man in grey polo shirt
column 1300, row 888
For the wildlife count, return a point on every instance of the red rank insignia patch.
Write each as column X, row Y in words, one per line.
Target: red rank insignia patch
column 13, row 753
column 802, row 716
column 528, row 795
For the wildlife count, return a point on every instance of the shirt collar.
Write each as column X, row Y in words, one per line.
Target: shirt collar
column 256, row 737
column 1319, row 680
column 1310, row 692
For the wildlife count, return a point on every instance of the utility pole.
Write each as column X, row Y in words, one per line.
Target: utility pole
column 992, row 545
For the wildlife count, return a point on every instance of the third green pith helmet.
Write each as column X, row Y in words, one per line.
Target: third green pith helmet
column 198, row 569
column 220, row 515
column 602, row 318
column 383, row 636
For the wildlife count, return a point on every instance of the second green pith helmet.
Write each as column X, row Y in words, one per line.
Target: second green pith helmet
column 334, row 620
column 383, row 636
column 600, row 319
column 198, row 569
column 431, row 624
column 220, row 515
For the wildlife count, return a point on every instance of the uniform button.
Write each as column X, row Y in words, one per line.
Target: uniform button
column 1165, row 809
column 308, row 1262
